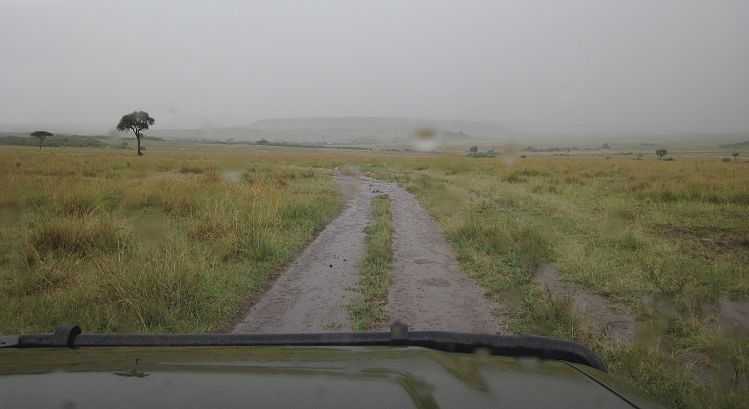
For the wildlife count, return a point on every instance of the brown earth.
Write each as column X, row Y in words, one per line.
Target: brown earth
column 428, row 292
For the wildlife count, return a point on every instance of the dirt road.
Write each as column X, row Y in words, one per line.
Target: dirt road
column 429, row 292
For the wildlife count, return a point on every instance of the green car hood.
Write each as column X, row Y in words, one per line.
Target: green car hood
column 284, row 377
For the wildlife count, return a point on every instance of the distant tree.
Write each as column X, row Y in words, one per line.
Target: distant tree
column 42, row 136
column 474, row 149
column 661, row 153
column 639, row 156
column 136, row 121
column 735, row 156
column 262, row 142
column 605, row 146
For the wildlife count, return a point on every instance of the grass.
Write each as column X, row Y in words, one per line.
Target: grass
column 375, row 270
column 169, row 243
column 162, row 243
column 53, row 141
column 666, row 239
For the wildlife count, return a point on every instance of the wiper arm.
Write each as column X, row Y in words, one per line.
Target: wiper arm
column 513, row 345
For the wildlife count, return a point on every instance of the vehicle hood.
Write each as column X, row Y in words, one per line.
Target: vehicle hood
column 269, row 377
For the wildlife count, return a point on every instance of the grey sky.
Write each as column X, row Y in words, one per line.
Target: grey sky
column 615, row 66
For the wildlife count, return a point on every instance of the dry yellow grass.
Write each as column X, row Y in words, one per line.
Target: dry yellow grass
column 173, row 241
column 667, row 239
column 176, row 240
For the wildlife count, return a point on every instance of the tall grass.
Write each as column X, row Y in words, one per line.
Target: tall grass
column 161, row 243
column 665, row 238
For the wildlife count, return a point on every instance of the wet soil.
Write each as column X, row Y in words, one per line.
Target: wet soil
column 733, row 317
column 428, row 292
column 313, row 292
column 616, row 321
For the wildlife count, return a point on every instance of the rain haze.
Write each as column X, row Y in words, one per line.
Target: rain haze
column 438, row 203
column 547, row 67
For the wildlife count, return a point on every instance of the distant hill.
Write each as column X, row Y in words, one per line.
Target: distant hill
column 456, row 136
column 344, row 129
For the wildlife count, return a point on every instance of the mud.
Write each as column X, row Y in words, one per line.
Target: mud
column 429, row 292
column 313, row 293
column 616, row 321
column 733, row 317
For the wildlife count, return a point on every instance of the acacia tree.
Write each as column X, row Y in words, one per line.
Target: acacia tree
column 735, row 156
column 136, row 121
column 42, row 136
column 660, row 153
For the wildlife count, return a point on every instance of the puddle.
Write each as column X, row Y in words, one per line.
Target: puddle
column 733, row 318
column 231, row 176
column 615, row 320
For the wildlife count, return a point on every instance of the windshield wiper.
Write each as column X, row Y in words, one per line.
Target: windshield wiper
column 70, row 336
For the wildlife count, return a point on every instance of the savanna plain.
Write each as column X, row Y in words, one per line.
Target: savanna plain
column 183, row 239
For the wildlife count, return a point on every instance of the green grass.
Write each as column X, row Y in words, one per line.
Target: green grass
column 375, row 270
column 161, row 243
column 167, row 243
column 637, row 232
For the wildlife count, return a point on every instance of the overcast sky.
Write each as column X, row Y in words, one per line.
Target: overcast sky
column 610, row 66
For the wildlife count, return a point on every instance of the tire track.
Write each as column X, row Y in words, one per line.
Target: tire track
column 313, row 293
column 429, row 291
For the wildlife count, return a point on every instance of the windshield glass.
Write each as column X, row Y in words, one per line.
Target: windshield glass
column 574, row 169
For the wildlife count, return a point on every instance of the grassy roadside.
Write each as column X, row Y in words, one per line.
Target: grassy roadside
column 375, row 270
column 169, row 242
column 664, row 239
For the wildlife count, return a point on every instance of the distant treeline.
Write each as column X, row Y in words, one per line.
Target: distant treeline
column 554, row 149
column 58, row 141
column 264, row 142
column 744, row 144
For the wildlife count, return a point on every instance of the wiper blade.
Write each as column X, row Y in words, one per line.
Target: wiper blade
column 506, row 345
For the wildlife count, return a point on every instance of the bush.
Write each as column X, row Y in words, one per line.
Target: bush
column 487, row 154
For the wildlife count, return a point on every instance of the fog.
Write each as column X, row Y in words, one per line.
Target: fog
column 553, row 67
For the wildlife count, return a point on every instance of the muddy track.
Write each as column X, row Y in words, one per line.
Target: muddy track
column 616, row 321
column 312, row 294
column 429, row 292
